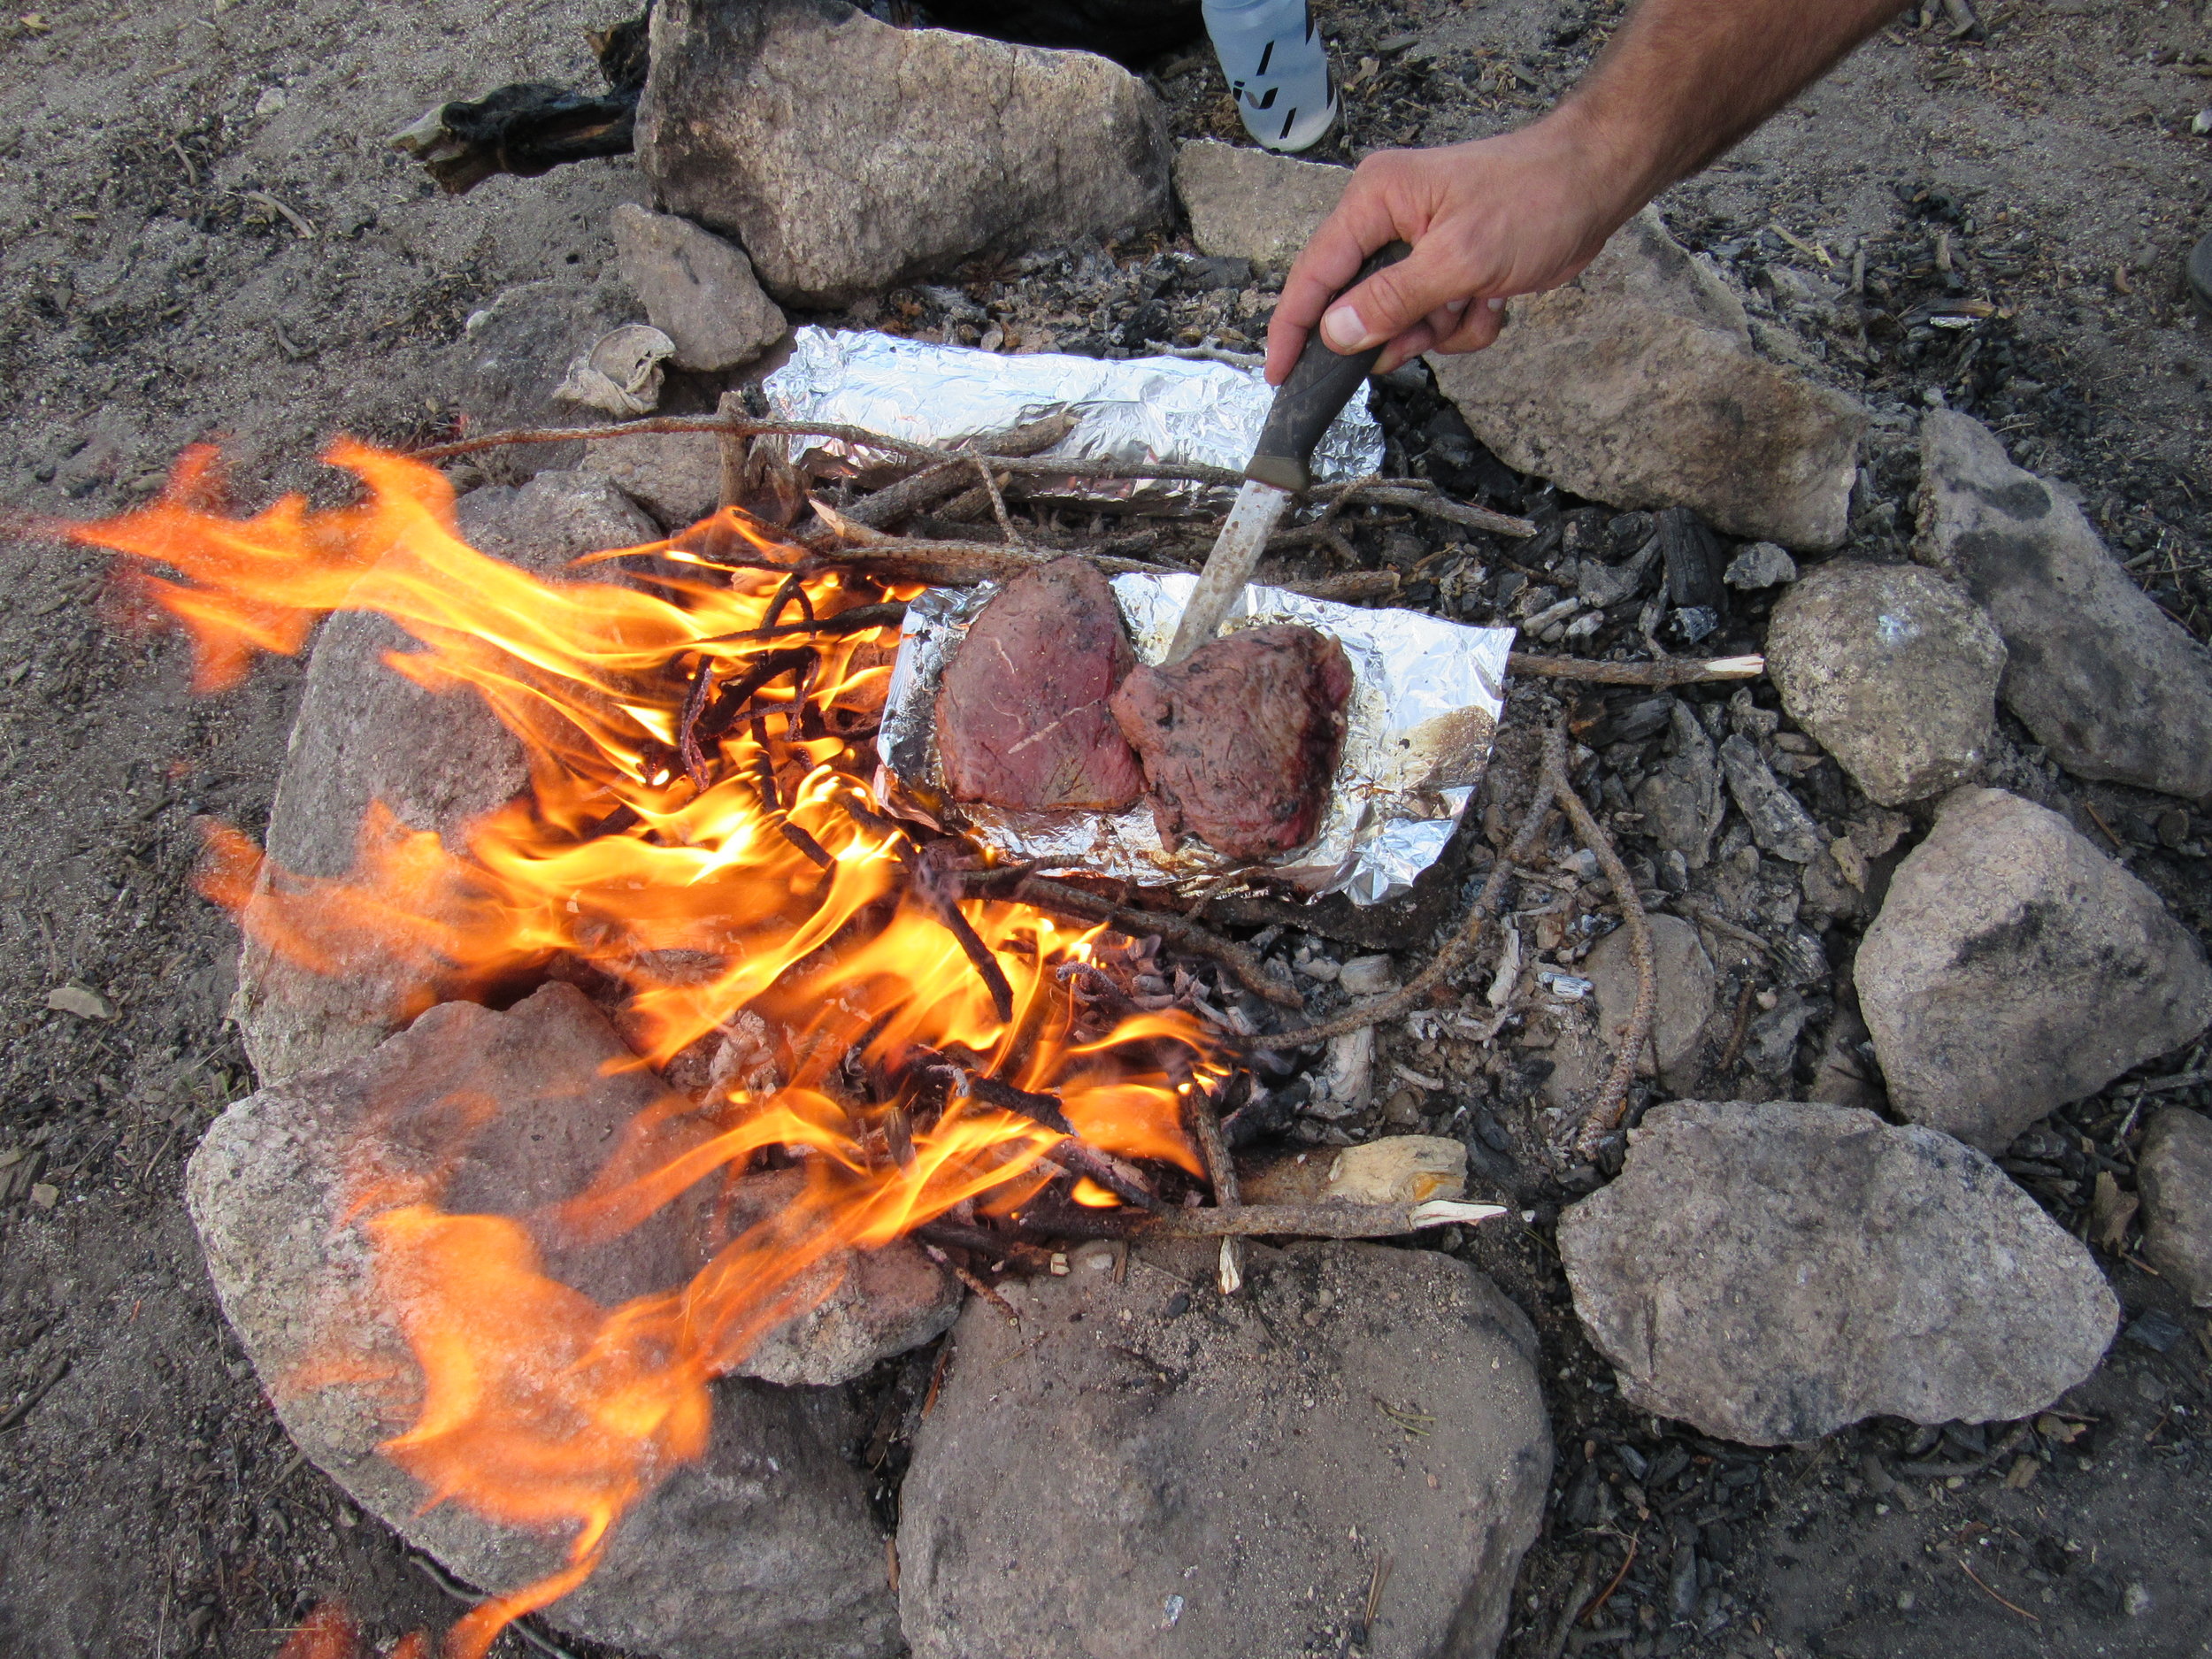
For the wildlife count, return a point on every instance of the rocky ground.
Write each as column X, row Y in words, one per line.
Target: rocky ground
column 201, row 235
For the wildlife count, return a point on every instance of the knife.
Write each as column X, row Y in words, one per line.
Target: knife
column 1319, row 386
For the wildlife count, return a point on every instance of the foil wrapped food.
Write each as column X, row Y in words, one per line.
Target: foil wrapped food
column 1137, row 409
column 1425, row 701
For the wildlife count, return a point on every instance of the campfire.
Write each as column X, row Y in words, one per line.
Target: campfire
column 700, row 851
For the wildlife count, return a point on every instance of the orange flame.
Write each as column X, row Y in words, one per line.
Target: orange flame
column 697, row 882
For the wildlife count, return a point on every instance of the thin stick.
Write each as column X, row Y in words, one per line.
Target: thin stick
column 1316, row 1221
column 1606, row 1594
column 1737, row 1031
column 981, row 1287
column 1221, row 1169
column 998, row 505
column 1048, row 894
column 1457, row 950
column 1612, row 1101
column 1674, row 671
column 1422, row 496
column 1994, row 1596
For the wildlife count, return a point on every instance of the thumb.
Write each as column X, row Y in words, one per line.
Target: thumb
column 1394, row 298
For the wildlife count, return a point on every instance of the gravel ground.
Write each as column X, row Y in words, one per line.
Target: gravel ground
column 202, row 235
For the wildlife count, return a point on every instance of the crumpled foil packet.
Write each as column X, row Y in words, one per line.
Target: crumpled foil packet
column 1138, row 409
column 1426, row 697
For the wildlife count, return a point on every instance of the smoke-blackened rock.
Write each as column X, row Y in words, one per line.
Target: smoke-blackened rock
column 366, row 733
column 764, row 1546
column 1188, row 1465
column 1773, row 1273
column 1894, row 671
column 2108, row 683
column 846, row 154
column 2014, row 968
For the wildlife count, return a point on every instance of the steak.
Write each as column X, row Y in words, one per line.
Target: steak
column 1022, row 720
column 1240, row 739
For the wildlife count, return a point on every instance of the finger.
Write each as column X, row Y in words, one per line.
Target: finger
column 1419, row 338
column 1394, row 298
column 1363, row 221
column 1479, row 328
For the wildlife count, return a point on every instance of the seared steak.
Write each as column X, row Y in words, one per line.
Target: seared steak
column 1240, row 739
column 1022, row 714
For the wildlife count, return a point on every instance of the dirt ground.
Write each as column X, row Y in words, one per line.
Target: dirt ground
column 203, row 235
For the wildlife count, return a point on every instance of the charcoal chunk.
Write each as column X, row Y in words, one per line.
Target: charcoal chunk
column 1240, row 739
column 1023, row 720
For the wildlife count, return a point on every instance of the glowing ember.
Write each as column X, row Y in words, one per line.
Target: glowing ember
column 698, row 840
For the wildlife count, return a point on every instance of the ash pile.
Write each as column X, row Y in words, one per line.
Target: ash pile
column 1812, row 1034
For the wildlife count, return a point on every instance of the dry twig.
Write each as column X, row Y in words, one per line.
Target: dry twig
column 1456, row 953
column 1221, row 1169
column 1316, row 1221
column 1612, row 1101
column 1070, row 900
column 1674, row 671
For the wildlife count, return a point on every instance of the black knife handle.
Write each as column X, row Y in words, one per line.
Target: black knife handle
column 1320, row 384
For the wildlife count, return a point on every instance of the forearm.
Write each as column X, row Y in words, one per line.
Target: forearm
column 1684, row 81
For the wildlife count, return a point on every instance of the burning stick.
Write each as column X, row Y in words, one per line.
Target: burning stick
column 980, row 1286
column 1074, row 1156
column 1048, row 894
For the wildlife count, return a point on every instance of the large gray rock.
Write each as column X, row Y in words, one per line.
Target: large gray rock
column 1773, row 1273
column 435, row 761
column 1191, row 1474
column 2014, row 968
column 1892, row 670
column 2107, row 681
column 1253, row 203
column 762, row 1546
column 1636, row 384
column 847, row 155
column 696, row 288
column 2173, row 1174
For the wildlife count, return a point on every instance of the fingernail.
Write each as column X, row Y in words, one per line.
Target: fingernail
column 1342, row 331
column 1497, row 303
column 1455, row 306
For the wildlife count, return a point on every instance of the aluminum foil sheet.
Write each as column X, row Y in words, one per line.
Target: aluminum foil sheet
column 1137, row 409
column 1426, row 697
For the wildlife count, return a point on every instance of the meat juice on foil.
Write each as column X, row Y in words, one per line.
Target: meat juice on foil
column 1134, row 408
column 1425, row 701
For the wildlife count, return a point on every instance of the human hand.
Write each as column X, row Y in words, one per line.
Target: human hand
column 1514, row 214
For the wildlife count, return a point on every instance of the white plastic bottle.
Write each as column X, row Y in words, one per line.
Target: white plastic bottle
column 1277, row 66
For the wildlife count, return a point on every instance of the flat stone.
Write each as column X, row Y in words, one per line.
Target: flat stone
column 1772, row 1272
column 697, row 288
column 1637, row 385
column 2014, row 968
column 2109, row 684
column 1891, row 669
column 2173, row 1173
column 845, row 154
column 1682, row 978
column 365, row 735
column 1187, row 1466
column 765, row 1545
column 1253, row 204
column 1777, row 820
